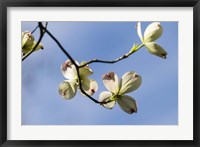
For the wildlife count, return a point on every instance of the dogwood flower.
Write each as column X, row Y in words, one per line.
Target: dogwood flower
column 68, row 88
column 28, row 43
column 118, row 88
column 152, row 33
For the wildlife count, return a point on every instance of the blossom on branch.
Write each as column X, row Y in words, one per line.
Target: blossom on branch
column 118, row 88
column 28, row 43
column 68, row 88
column 152, row 33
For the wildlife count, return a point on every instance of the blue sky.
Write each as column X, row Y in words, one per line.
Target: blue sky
column 157, row 97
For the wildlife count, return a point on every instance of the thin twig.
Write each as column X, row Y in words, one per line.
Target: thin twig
column 105, row 61
column 111, row 61
column 45, row 27
column 60, row 46
column 35, row 29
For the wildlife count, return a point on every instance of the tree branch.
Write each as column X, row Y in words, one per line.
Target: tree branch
column 112, row 61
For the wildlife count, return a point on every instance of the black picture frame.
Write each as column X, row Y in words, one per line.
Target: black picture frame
column 4, row 4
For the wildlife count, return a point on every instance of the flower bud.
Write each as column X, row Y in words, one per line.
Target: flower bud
column 156, row 49
column 27, row 39
column 28, row 43
column 134, row 48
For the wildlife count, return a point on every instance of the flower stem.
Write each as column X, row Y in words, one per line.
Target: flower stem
column 35, row 29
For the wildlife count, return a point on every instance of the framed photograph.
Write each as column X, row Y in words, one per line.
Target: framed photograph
column 99, row 73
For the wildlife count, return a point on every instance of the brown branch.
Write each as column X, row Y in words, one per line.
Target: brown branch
column 106, row 61
column 111, row 61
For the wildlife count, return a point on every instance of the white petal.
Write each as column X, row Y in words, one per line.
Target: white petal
column 90, row 86
column 153, row 32
column 130, row 81
column 111, row 82
column 68, row 89
column 156, row 49
column 85, row 71
column 127, row 104
column 139, row 31
column 104, row 97
column 68, row 70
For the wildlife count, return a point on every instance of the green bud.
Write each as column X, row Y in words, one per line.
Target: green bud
column 134, row 48
column 27, row 39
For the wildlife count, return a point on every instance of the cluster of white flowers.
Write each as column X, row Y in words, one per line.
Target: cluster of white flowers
column 28, row 43
column 68, row 88
column 117, row 89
